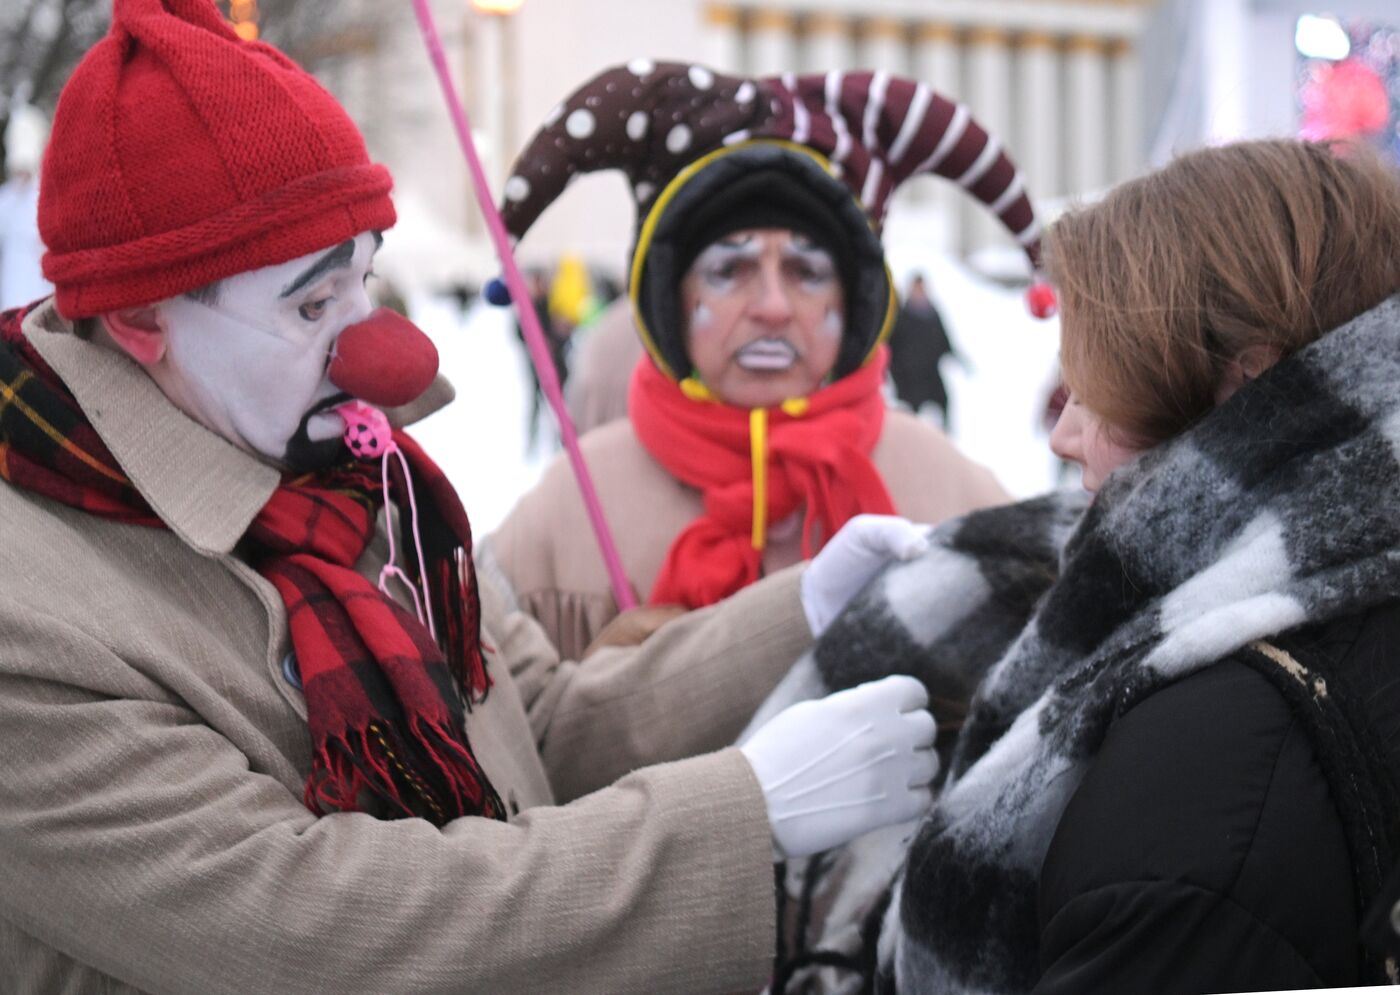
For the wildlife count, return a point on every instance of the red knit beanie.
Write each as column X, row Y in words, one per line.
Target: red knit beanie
column 182, row 154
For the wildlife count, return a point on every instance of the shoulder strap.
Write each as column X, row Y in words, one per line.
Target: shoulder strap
column 1351, row 758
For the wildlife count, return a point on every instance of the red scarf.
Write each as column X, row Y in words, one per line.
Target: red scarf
column 818, row 460
column 385, row 705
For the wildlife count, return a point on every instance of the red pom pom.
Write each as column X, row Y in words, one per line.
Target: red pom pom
column 1041, row 301
column 385, row 360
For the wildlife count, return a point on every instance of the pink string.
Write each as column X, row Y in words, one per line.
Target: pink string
column 529, row 322
column 392, row 569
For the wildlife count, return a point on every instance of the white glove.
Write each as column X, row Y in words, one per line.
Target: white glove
column 837, row 767
column 854, row 555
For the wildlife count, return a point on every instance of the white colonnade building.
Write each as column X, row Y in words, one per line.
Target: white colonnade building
column 1059, row 82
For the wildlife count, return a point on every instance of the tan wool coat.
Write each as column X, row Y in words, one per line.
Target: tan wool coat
column 547, row 550
column 152, row 833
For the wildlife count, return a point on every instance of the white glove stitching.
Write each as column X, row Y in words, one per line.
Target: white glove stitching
column 819, row 758
column 834, row 778
column 835, row 768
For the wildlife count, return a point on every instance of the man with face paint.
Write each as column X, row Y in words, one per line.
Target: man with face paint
column 757, row 425
column 263, row 728
column 248, row 357
column 763, row 316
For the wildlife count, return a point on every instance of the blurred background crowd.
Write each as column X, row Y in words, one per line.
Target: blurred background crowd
column 1084, row 93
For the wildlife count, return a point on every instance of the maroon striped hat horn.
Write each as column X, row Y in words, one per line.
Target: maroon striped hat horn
column 652, row 119
column 881, row 129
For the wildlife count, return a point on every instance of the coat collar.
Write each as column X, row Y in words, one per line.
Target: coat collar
column 206, row 490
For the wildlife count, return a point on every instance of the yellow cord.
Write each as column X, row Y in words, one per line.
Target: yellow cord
column 794, row 407
column 694, row 390
column 758, row 446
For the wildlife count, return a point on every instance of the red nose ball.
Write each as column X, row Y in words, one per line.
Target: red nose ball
column 385, row 360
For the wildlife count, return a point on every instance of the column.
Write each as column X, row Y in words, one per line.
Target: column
column 882, row 46
column 722, row 41
column 1225, row 61
column 772, row 43
column 1127, row 103
column 826, row 42
column 938, row 62
column 1037, row 139
column 1087, row 124
column 989, row 99
column 490, row 71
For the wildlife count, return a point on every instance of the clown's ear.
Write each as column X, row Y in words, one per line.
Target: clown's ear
column 137, row 331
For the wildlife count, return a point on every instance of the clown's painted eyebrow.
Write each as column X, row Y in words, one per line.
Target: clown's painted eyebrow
column 806, row 251
column 730, row 247
column 336, row 258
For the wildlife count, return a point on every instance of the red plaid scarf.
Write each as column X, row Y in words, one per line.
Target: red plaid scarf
column 385, row 705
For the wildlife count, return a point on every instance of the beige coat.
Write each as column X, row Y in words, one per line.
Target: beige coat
column 547, row 550
column 601, row 368
column 152, row 835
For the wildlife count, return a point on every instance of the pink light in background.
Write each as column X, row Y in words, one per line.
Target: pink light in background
column 1343, row 100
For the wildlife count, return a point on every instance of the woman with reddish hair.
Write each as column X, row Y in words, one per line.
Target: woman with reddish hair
column 1180, row 771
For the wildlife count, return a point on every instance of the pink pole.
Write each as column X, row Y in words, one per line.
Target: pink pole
column 529, row 322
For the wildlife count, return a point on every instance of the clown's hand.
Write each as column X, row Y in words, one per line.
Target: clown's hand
column 837, row 767
column 854, row 555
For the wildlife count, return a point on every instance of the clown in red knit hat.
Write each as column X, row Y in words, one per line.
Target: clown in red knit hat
column 263, row 729
column 757, row 423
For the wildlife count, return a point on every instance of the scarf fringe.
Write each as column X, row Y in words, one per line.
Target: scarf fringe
column 457, row 612
column 424, row 774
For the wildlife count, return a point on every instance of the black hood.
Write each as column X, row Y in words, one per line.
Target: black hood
column 760, row 184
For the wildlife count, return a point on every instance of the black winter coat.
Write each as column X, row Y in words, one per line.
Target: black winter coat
column 1203, row 852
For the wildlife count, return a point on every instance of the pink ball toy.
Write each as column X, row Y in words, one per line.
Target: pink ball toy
column 368, row 435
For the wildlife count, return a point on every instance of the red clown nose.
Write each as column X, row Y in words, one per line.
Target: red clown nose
column 385, row 360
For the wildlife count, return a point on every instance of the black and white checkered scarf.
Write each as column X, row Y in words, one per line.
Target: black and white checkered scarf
column 1280, row 508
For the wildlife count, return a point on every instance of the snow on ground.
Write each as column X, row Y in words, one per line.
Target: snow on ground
column 480, row 439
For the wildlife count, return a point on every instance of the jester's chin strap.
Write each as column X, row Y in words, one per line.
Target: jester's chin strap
column 794, row 407
column 756, row 466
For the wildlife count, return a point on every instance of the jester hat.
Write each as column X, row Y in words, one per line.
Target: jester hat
column 706, row 154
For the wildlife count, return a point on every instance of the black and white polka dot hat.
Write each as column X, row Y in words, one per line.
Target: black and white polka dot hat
column 825, row 149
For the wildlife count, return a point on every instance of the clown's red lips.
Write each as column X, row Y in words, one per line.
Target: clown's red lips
column 385, row 360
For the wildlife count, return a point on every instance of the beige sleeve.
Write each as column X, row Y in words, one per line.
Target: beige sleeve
column 136, row 839
column 688, row 689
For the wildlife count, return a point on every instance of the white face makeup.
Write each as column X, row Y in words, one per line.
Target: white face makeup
column 251, row 364
column 765, row 314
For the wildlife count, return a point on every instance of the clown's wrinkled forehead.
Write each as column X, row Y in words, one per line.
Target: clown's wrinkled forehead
column 306, row 270
column 721, row 264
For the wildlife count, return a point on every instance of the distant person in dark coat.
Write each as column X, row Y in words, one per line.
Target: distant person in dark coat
column 558, row 340
column 918, row 343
